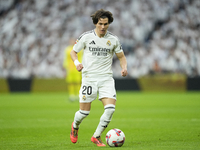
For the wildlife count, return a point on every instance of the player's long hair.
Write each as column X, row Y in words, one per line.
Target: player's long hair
column 102, row 14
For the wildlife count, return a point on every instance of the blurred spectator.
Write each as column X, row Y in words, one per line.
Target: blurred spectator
column 73, row 77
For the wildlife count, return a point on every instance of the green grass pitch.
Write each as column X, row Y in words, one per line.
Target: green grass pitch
column 150, row 121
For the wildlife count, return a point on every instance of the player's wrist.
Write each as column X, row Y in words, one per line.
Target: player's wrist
column 76, row 62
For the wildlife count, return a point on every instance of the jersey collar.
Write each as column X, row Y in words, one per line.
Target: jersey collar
column 96, row 34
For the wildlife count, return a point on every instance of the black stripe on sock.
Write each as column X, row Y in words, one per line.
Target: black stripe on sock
column 110, row 108
column 76, row 128
column 83, row 113
column 105, row 126
column 107, row 121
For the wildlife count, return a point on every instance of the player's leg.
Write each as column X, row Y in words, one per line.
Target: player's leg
column 107, row 95
column 71, row 85
column 77, row 84
column 87, row 94
column 71, row 89
column 78, row 118
column 109, row 109
column 81, row 114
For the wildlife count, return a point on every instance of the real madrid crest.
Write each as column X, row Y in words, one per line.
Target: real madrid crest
column 108, row 43
column 84, row 97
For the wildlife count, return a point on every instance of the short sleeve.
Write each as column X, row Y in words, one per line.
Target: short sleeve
column 79, row 45
column 118, row 47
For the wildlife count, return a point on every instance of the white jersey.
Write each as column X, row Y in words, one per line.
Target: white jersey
column 98, row 54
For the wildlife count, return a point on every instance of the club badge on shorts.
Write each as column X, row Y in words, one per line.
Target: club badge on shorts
column 84, row 97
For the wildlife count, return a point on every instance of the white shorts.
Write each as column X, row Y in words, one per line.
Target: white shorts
column 89, row 90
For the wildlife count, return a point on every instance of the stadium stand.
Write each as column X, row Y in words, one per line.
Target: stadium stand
column 158, row 36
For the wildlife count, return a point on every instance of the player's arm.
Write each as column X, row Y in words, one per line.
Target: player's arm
column 123, row 63
column 74, row 57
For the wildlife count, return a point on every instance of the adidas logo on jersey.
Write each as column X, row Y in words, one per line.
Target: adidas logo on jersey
column 92, row 42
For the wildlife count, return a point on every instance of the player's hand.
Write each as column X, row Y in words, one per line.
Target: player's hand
column 124, row 72
column 79, row 67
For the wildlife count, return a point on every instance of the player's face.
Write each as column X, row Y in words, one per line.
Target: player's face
column 102, row 26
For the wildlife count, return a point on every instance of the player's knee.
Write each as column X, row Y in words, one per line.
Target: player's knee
column 81, row 114
column 109, row 110
column 84, row 113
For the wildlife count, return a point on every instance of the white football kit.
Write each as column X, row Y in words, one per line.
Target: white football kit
column 97, row 75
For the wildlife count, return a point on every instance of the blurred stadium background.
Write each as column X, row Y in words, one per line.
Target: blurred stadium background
column 160, row 39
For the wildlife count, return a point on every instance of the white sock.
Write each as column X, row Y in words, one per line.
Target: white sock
column 105, row 119
column 79, row 116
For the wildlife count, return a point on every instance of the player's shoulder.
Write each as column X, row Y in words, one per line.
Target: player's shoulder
column 87, row 33
column 111, row 35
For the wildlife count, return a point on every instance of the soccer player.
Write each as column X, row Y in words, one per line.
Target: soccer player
column 73, row 77
column 99, row 46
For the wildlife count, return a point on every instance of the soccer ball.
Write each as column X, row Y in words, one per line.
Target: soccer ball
column 115, row 138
